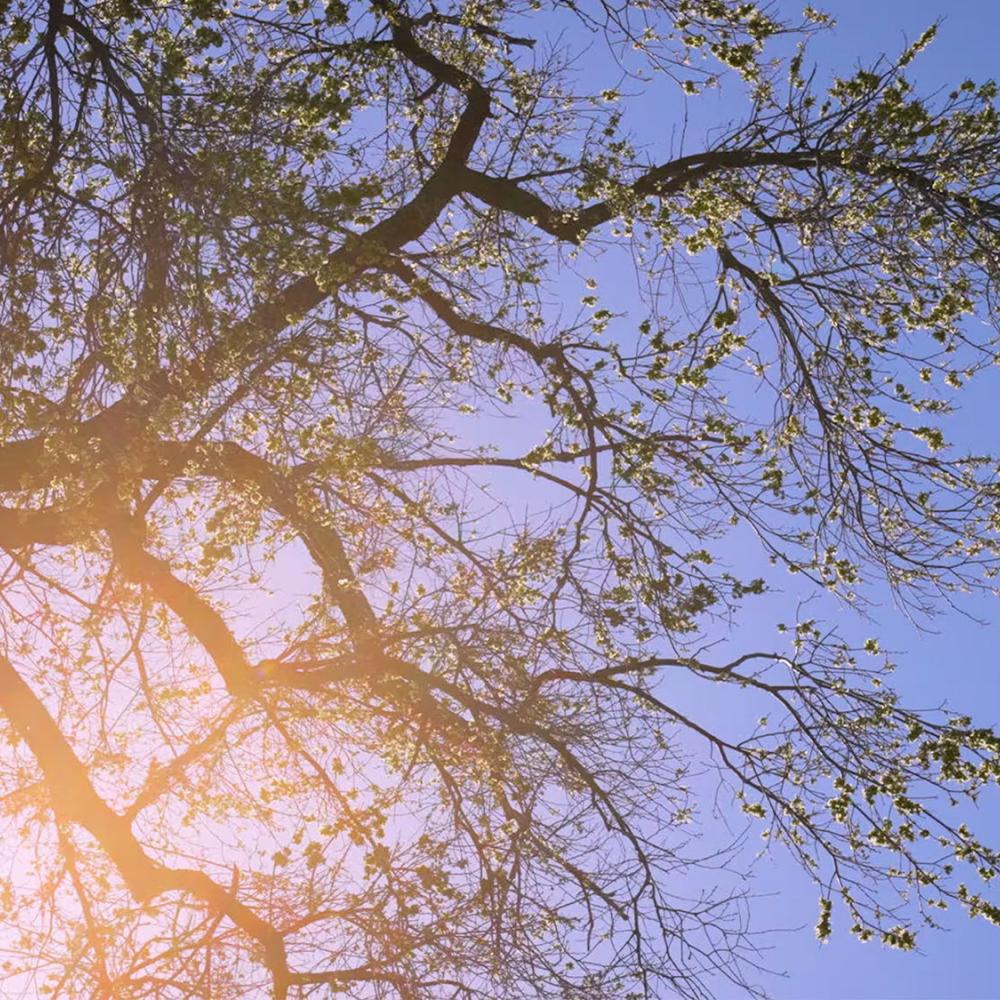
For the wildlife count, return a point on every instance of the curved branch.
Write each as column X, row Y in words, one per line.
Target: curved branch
column 74, row 797
column 199, row 617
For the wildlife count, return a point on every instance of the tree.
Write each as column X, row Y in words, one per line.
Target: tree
column 321, row 678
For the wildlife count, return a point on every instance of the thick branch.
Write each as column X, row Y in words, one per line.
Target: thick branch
column 74, row 797
column 668, row 178
column 198, row 616
column 48, row 526
column 573, row 224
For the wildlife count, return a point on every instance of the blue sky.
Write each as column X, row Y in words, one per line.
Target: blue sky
column 949, row 660
column 956, row 661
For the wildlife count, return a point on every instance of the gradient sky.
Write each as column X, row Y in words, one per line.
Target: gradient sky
column 950, row 660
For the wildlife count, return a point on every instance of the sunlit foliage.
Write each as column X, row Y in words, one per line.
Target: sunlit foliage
column 362, row 560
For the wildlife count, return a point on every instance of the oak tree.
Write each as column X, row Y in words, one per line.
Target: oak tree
column 365, row 562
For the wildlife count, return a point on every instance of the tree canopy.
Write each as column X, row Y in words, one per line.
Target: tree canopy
column 365, row 568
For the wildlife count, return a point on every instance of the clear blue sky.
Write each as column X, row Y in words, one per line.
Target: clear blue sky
column 950, row 660
column 957, row 662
